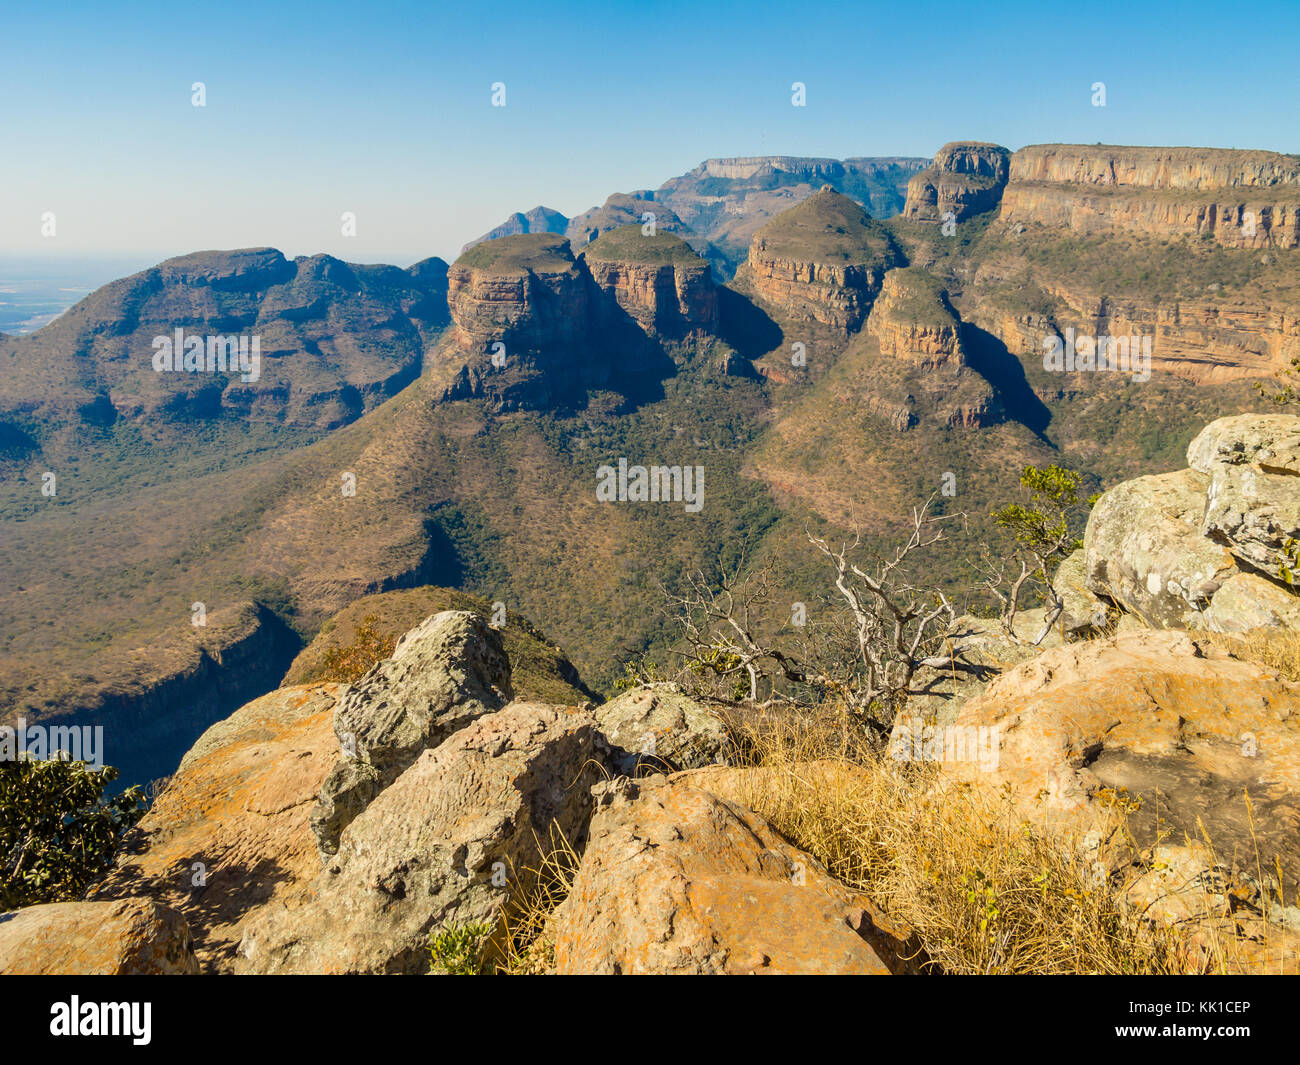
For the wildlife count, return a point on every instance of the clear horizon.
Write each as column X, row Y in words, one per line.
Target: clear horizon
column 391, row 117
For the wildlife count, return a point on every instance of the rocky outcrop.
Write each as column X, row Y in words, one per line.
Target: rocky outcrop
column 457, row 834
column 130, row 937
column 911, row 320
column 966, row 178
column 443, row 674
column 1204, row 548
column 526, row 292
column 821, row 262
column 677, row 880
column 229, row 835
column 661, row 729
column 522, row 323
column 1191, row 742
column 919, row 338
column 1253, row 508
column 657, row 280
column 1242, row 199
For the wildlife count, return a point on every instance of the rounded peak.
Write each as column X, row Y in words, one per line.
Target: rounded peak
column 826, row 227
column 520, row 253
column 631, row 244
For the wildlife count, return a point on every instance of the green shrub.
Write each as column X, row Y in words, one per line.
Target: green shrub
column 460, row 951
column 58, row 833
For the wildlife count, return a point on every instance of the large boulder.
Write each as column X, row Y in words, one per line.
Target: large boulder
column 1253, row 507
column 659, row 727
column 126, row 937
column 448, row 843
column 1160, row 717
column 230, row 834
column 1231, row 922
column 444, row 673
column 1203, row 548
column 677, row 880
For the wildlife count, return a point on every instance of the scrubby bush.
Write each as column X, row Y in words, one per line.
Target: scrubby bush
column 58, row 833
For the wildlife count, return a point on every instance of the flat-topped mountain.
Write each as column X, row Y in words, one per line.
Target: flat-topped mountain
column 659, row 280
column 1239, row 199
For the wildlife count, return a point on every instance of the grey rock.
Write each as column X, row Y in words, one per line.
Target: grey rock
column 659, row 727
column 447, row 844
column 444, row 673
column 1268, row 441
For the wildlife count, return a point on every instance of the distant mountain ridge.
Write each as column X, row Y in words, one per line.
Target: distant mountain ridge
column 717, row 206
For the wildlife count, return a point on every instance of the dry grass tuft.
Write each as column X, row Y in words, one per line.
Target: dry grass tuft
column 984, row 892
column 1276, row 649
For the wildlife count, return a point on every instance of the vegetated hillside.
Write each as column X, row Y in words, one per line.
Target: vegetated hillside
column 482, row 477
column 82, row 398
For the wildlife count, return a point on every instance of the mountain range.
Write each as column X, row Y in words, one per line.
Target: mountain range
column 829, row 340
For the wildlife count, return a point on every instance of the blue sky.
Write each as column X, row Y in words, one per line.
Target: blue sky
column 385, row 110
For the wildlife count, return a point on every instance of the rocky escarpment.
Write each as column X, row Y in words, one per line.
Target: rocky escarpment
column 821, row 262
column 656, row 279
column 533, row 326
column 333, row 340
column 1240, row 199
column 521, row 321
column 1206, row 547
column 922, row 358
column 966, row 178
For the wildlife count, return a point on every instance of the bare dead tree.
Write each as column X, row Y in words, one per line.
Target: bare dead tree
column 878, row 631
column 726, row 628
column 897, row 626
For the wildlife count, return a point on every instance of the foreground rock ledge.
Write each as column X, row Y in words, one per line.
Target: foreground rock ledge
column 129, row 937
column 676, row 880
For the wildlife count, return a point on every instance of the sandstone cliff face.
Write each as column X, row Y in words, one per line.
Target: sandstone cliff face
column 521, row 319
column 1207, row 340
column 834, row 295
column 919, row 339
column 1240, row 199
column 656, row 280
column 1154, row 168
column 670, row 300
column 967, row 178
column 910, row 321
column 538, row 302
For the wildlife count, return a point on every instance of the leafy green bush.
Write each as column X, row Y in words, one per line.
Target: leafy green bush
column 459, row 951
column 58, row 833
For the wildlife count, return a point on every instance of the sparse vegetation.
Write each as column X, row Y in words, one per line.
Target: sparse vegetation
column 349, row 664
